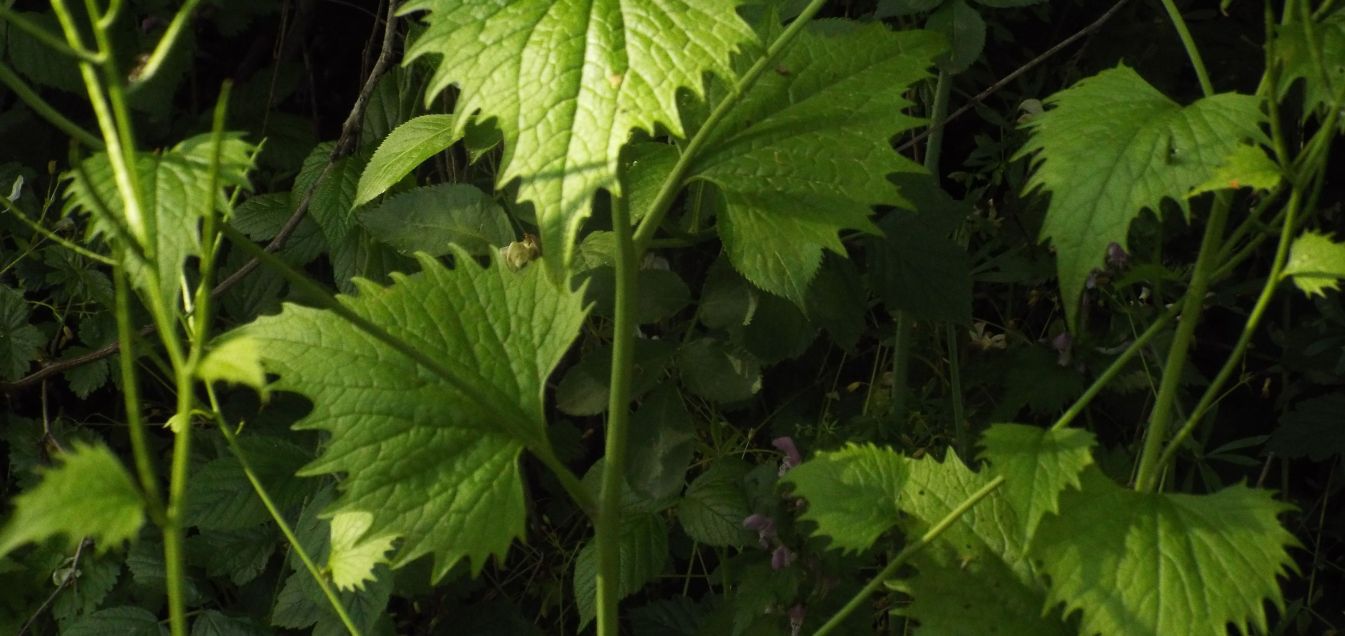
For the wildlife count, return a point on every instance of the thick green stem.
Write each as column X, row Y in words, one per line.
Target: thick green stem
column 963, row 440
column 1147, row 477
column 673, row 183
column 130, row 387
column 608, row 528
column 1179, row 23
column 1248, row 329
column 1114, row 369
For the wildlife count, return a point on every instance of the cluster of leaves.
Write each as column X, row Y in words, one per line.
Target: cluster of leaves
column 801, row 285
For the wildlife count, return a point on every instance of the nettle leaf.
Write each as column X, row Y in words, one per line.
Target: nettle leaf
column 406, row 147
column 1037, row 464
column 566, row 82
column 429, row 219
column 1247, row 167
column 1316, row 263
column 172, row 186
column 1114, row 146
column 129, row 620
column 1294, row 45
column 786, row 201
column 333, row 202
column 916, row 267
column 661, row 445
column 715, row 504
column 20, row 342
column 354, row 555
column 1158, row 563
column 644, row 553
column 90, row 494
column 434, row 460
column 852, row 493
column 962, row 25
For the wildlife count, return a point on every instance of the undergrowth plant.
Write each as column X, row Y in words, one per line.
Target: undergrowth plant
column 490, row 325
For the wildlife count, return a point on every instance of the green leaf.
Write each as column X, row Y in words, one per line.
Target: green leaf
column 236, row 361
column 1294, row 44
column 332, row 206
column 1316, row 263
column 406, row 147
column 786, row 201
column 852, row 493
column 1158, row 563
column 962, row 25
column 20, row 342
column 894, row 8
column 778, row 331
column 213, row 623
column 1246, row 167
column 429, row 219
column 354, row 555
column 713, row 509
column 220, row 497
column 1114, row 146
column 644, row 553
column 837, row 301
column 128, row 621
column 728, row 301
column 1312, row 429
column 916, row 267
column 718, row 372
column 434, row 459
column 89, row 494
column 661, row 445
column 1006, row 4
column 1037, row 465
column 567, row 82
column 263, row 216
column 240, row 555
column 172, row 194
column 585, row 388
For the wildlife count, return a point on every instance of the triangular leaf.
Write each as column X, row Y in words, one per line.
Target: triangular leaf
column 1114, row 146
column 786, row 200
column 434, row 459
column 1037, row 465
column 567, row 82
column 1316, row 263
column 89, row 494
column 1157, row 563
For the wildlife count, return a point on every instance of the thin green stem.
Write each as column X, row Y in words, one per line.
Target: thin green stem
column 1147, row 477
column 1248, row 329
column 943, row 90
column 1115, row 368
column 955, row 389
column 50, row 236
column 906, row 553
column 166, row 43
column 673, row 183
column 309, row 564
column 608, row 527
column 1179, row 23
column 901, row 365
column 48, row 38
column 130, row 387
column 45, row 110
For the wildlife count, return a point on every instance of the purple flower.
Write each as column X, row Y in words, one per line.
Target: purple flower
column 1062, row 344
column 781, row 558
column 765, row 527
column 796, row 615
column 792, row 457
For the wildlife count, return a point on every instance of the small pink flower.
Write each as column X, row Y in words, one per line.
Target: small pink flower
column 792, row 457
column 1117, row 258
column 781, row 558
column 796, row 615
column 1063, row 345
column 765, row 527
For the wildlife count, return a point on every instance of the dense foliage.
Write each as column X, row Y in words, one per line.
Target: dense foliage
column 671, row 317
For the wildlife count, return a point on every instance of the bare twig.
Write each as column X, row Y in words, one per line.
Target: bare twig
column 345, row 145
column 1018, row 72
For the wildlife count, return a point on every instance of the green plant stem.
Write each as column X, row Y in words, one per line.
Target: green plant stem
column 130, row 387
column 608, row 527
column 166, row 43
column 938, row 111
column 955, row 389
column 1248, row 329
column 906, row 553
column 1115, row 368
column 45, row 110
column 50, row 236
column 901, row 365
column 274, row 511
column 1179, row 23
column 50, row 39
column 538, row 447
column 673, row 183
column 1148, row 474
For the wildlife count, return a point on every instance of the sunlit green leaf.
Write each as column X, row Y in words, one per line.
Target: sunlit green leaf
column 1316, row 263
